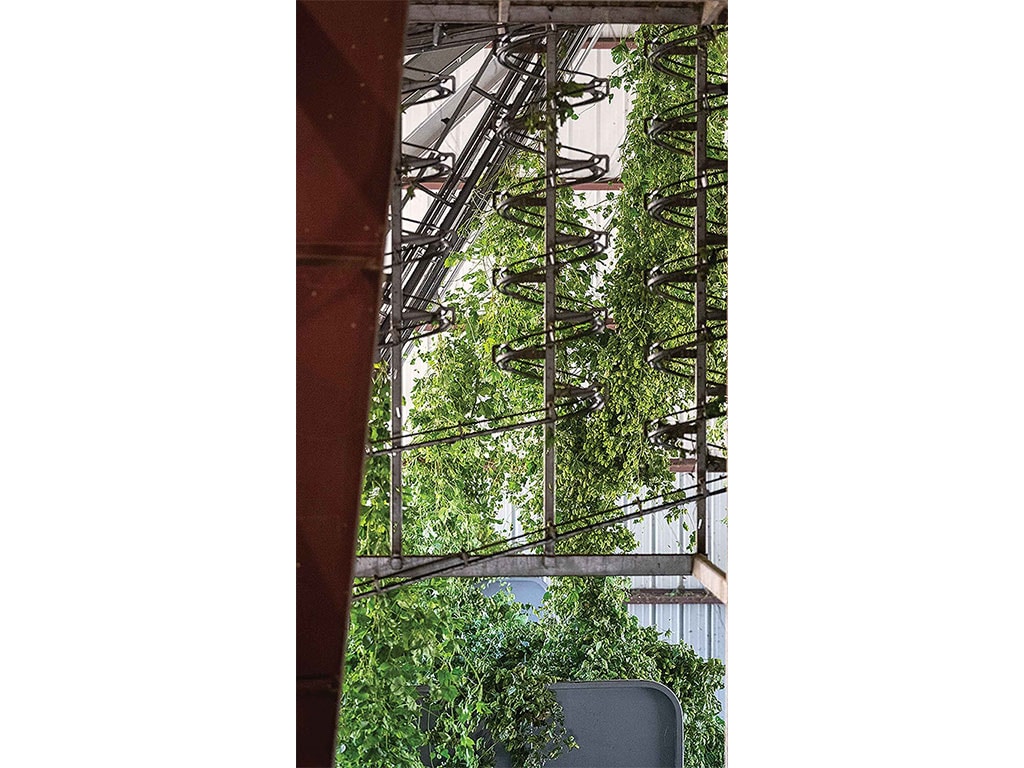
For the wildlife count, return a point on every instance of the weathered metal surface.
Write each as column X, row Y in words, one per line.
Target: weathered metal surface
column 342, row 123
column 685, row 12
column 348, row 71
column 671, row 597
column 712, row 577
column 688, row 465
column 536, row 565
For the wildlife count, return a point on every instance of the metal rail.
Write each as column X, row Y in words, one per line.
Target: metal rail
column 700, row 303
column 534, row 565
column 685, row 12
column 447, row 565
column 672, row 597
column 550, row 280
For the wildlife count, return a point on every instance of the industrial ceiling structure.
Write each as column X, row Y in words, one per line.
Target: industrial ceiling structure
column 356, row 62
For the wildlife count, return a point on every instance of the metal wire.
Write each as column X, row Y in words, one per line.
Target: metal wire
column 463, row 431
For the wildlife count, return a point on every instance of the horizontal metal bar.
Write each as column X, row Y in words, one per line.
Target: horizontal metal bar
column 446, row 564
column 535, row 565
column 671, row 597
column 686, row 12
column 452, row 438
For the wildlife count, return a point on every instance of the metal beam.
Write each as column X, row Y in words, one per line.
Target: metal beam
column 685, row 12
column 700, row 219
column 536, row 565
column 347, row 77
column 683, row 465
column 672, row 597
column 550, row 287
column 712, row 577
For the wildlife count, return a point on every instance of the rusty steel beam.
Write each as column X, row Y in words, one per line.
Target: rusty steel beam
column 348, row 72
column 672, row 597
column 685, row 12
column 683, row 465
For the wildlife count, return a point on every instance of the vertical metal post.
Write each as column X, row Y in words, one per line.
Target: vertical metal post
column 551, row 167
column 395, row 361
column 700, row 221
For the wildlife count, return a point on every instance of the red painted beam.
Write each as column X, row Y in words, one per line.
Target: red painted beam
column 682, row 465
column 348, row 72
column 607, row 43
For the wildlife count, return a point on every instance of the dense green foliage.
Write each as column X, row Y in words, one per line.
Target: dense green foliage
column 641, row 241
column 473, row 662
column 483, row 665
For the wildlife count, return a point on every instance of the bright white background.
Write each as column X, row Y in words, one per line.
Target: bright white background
column 147, row 414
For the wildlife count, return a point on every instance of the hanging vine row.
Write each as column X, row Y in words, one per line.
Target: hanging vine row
column 696, row 204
